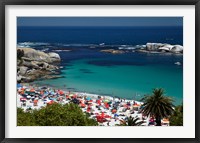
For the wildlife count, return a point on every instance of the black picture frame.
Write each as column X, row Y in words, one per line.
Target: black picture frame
column 4, row 3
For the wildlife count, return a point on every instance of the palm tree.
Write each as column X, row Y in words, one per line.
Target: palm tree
column 131, row 122
column 177, row 118
column 158, row 105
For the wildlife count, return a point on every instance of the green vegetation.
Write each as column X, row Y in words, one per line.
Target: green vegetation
column 131, row 122
column 177, row 117
column 55, row 115
column 158, row 105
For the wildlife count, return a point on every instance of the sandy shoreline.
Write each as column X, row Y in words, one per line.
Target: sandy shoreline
column 99, row 104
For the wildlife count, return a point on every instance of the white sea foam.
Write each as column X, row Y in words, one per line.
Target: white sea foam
column 32, row 44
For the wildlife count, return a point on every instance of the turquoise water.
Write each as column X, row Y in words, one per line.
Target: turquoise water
column 126, row 81
column 128, row 75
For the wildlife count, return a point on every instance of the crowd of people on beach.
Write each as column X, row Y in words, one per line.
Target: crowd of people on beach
column 108, row 111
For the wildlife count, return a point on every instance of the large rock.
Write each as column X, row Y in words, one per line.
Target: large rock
column 34, row 64
column 157, row 47
column 54, row 56
column 166, row 47
column 30, row 64
column 177, row 49
column 19, row 78
column 153, row 46
column 23, row 70
column 36, row 55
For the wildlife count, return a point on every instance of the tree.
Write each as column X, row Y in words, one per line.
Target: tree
column 157, row 105
column 177, row 117
column 131, row 121
column 24, row 118
column 56, row 115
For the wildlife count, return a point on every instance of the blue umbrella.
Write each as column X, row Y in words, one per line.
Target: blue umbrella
column 88, row 98
column 19, row 85
column 116, row 115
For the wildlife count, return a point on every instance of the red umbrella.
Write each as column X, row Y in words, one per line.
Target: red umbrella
column 107, row 116
column 60, row 92
column 114, row 111
column 106, row 105
column 100, row 119
column 102, row 115
column 51, row 102
column 99, row 101
column 74, row 96
column 88, row 109
column 41, row 92
column 82, row 105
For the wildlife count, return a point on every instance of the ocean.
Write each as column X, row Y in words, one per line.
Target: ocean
column 130, row 75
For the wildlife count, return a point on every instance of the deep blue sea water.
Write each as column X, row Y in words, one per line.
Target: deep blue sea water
column 128, row 75
column 96, row 35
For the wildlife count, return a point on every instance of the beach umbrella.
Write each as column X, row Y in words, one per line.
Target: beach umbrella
column 28, row 96
column 82, row 105
column 102, row 114
column 60, row 92
column 116, row 99
column 109, row 102
column 114, row 111
column 98, row 101
column 71, row 95
column 43, row 87
column 116, row 115
column 32, row 90
column 52, row 93
column 22, row 99
column 107, row 116
column 50, row 102
column 19, row 85
column 88, row 109
column 106, row 100
column 74, row 96
column 88, row 98
column 107, row 105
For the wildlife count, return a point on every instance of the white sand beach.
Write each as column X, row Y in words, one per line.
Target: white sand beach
column 108, row 111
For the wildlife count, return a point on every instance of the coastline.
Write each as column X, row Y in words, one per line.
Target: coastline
column 94, row 108
column 92, row 95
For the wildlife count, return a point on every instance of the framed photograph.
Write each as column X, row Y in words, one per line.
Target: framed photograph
column 107, row 71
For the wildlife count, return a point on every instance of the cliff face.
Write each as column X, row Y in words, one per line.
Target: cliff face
column 33, row 64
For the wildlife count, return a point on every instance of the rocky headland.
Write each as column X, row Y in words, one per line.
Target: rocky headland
column 161, row 48
column 148, row 48
column 34, row 64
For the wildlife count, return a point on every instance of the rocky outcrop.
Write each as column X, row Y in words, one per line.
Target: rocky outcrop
column 112, row 51
column 36, row 65
column 36, row 55
column 23, row 70
column 153, row 46
column 177, row 49
column 160, row 47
